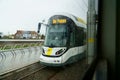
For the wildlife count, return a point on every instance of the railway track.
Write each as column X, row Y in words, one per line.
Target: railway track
column 23, row 77
column 32, row 72
column 44, row 73
column 39, row 72
column 22, row 73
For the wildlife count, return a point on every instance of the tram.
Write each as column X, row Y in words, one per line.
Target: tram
column 65, row 40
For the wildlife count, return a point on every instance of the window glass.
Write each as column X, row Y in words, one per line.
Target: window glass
column 56, row 36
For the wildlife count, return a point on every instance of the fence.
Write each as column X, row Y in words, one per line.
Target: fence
column 15, row 58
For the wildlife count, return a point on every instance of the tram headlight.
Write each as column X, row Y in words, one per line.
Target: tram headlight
column 60, row 52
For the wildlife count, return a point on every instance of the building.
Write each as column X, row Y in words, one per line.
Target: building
column 1, row 34
column 20, row 34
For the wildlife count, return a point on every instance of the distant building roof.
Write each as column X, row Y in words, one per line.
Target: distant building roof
column 26, row 34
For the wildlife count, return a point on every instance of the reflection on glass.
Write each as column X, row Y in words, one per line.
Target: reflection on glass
column 56, row 36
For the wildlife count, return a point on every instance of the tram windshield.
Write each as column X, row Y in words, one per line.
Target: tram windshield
column 56, row 35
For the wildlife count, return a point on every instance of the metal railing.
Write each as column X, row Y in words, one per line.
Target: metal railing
column 17, row 57
column 6, row 44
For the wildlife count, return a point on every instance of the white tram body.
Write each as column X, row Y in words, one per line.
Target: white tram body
column 65, row 40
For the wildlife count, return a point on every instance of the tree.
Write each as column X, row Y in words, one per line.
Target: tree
column 42, row 36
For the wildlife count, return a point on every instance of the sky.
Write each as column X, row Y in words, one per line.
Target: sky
column 26, row 14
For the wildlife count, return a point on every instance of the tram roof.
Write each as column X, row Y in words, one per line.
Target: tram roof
column 78, row 21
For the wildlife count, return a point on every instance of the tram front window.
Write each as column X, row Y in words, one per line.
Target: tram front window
column 56, row 36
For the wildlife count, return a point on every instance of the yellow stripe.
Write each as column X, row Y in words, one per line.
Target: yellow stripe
column 49, row 51
column 80, row 20
column 90, row 40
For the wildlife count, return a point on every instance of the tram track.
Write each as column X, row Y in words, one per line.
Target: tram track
column 32, row 73
column 37, row 71
column 44, row 73
column 21, row 73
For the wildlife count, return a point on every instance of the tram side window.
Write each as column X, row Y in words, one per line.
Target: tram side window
column 72, row 38
column 85, row 37
column 79, row 40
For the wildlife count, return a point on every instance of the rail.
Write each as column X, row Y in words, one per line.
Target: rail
column 33, row 72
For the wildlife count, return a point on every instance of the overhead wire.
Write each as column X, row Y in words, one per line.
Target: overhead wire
column 80, row 6
column 85, row 2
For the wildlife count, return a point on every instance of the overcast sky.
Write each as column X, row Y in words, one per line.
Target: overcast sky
column 25, row 14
